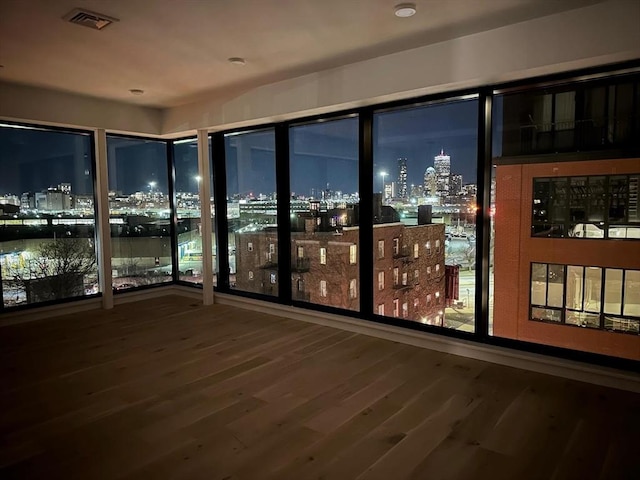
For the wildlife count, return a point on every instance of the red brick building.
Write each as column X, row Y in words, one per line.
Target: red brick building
column 409, row 269
column 567, row 255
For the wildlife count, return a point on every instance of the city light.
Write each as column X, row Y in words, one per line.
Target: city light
column 383, row 175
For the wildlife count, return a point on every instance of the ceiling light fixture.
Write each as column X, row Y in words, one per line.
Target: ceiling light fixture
column 405, row 10
column 136, row 91
column 237, row 61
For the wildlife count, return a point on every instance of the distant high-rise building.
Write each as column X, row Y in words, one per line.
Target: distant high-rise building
column 430, row 184
column 442, row 165
column 402, row 178
column 65, row 188
column 390, row 190
column 455, row 184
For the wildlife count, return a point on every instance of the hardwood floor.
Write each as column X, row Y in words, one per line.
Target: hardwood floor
column 167, row 388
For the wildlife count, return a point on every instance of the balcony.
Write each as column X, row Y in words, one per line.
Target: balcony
column 404, row 287
column 403, row 253
column 269, row 265
column 301, row 296
column 301, row 264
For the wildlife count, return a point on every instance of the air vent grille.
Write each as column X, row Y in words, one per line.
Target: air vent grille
column 86, row 18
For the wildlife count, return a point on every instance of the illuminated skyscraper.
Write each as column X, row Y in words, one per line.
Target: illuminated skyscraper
column 430, row 185
column 402, row 178
column 442, row 165
column 455, row 184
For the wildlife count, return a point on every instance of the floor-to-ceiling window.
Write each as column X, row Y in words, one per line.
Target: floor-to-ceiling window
column 47, row 246
column 565, row 244
column 252, row 211
column 324, row 213
column 139, row 211
column 424, row 232
column 189, row 225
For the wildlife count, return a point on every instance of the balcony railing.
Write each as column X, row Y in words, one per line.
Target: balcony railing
column 270, row 265
column 404, row 252
column 301, row 265
column 302, row 296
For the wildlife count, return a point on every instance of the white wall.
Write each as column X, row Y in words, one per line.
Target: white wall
column 603, row 33
column 49, row 107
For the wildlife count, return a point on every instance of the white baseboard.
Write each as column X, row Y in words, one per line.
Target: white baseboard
column 559, row 367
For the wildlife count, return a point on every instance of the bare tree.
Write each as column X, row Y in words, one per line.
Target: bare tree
column 57, row 269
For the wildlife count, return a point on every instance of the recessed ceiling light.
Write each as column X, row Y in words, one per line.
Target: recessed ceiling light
column 404, row 10
column 136, row 91
column 237, row 60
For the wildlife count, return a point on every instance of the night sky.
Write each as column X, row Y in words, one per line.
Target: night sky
column 320, row 154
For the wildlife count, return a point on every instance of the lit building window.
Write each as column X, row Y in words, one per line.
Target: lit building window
column 250, row 275
column 396, row 276
column 429, row 270
column 353, row 288
column 405, row 278
column 572, row 295
column 272, row 278
column 416, row 250
column 437, row 267
column 416, row 302
column 323, row 256
column 437, row 298
column 428, row 245
column 381, row 309
column 250, row 246
column 353, row 254
column 396, row 307
column 405, row 310
column 380, row 248
column 300, row 252
column 428, row 299
column 437, row 246
column 323, row 288
column 416, row 275
column 396, row 246
column 380, row 280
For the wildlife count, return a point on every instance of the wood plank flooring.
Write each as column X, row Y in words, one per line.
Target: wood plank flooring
column 170, row 389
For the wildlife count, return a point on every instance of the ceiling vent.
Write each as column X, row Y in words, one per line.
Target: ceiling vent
column 86, row 18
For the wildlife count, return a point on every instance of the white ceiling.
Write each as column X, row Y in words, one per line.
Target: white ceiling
column 177, row 50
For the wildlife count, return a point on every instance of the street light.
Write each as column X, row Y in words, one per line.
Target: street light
column 383, row 174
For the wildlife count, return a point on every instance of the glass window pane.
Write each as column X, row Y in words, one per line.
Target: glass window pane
column 188, row 230
column 593, row 289
column 632, row 293
column 47, row 245
column 574, row 287
column 324, row 210
column 582, row 319
column 613, row 291
column 539, row 284
column 139, row 212
column 546, row 314
column 252, row 211
column 425, row 194
column 555, row 287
